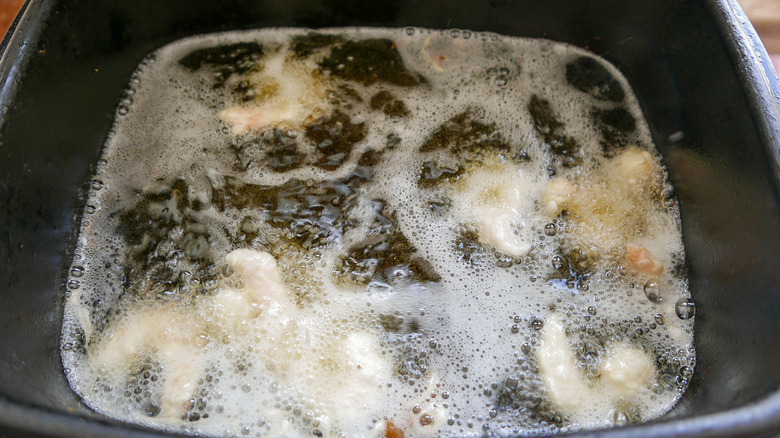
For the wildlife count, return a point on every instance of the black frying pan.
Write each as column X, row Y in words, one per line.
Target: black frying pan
column 701, row 75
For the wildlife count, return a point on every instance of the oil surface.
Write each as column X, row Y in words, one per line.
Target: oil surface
column 378, row 232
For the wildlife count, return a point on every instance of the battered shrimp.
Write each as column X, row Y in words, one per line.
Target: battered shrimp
column 293, row 94
column 169, row 335
column 496, row 193
column 263, row 304
column 556, row 195
column 442, row 51
column 265, row 307
column 603, row 204
column 624, row 373
column 636, row 167
column 641, row 260
column 177, row 335
column 566, row 386
column 435, row 59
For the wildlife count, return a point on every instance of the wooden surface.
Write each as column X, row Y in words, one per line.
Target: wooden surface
column 8, row 10
column 764, row 14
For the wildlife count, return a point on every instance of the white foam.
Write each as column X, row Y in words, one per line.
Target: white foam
column 466, row 341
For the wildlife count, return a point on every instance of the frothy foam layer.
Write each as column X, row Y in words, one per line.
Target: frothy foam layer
column 378, row 231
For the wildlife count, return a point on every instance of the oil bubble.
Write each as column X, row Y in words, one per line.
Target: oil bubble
column 652, row 291
column 685, row 308
column 426, row 420
column 77, row 271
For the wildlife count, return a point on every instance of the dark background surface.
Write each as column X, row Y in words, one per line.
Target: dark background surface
column 61, row 90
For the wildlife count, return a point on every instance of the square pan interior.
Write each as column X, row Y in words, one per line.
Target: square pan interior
column 75, row 58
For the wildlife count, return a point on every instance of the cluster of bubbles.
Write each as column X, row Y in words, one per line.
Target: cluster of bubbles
column 458, row 322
